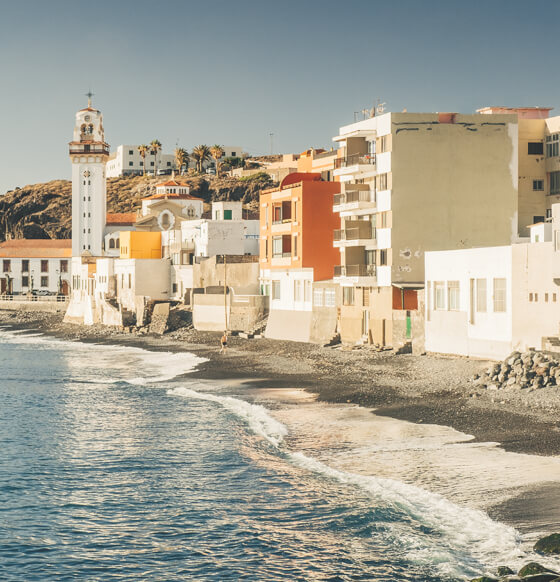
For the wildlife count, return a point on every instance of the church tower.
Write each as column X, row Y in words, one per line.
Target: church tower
column 88, row 153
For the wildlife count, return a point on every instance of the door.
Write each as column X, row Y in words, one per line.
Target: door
column 64, row 287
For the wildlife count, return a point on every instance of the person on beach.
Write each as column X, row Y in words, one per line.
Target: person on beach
column 223, row 342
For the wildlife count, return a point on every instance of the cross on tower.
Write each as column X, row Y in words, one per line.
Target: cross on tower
column 89, row 95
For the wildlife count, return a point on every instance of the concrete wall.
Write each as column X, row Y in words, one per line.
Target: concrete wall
column 533, row 275
column 242, row 275
column 454, row 185
column 47, row 306
column 243, row 311
column 148, row 278
column 417, row 321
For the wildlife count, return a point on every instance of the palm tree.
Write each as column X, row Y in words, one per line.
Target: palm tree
column 143, row 150
column 181, row 158
column 217, row 151
column 201, row 154
column 155, row 148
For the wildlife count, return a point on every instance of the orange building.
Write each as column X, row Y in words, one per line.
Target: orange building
column 296, row 247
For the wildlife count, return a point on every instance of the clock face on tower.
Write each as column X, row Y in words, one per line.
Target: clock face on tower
column 87, row 118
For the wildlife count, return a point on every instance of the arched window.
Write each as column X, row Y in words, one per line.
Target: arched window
column 118, row 243
column 112, row 243
column 90, row 128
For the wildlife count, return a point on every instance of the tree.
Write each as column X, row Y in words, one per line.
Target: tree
column 143, row 151
column 201, row 154
column 217, row 151
column 181, row 159
column 155, row 148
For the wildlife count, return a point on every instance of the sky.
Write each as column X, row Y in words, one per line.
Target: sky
column 233, row 73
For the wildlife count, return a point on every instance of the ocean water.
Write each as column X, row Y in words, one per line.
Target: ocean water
column 114, row 465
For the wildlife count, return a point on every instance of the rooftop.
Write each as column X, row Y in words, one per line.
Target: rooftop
column 36, row 248
column 120, row 218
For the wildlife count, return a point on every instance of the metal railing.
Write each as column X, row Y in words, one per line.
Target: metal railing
column 355, row 271
column 354, row 196
column 355, row 159
column 44, row 298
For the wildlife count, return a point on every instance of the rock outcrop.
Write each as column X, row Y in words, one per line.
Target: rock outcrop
column 45, row 210
column 530, row 370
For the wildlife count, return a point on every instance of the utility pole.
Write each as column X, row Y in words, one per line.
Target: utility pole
column 225, row 293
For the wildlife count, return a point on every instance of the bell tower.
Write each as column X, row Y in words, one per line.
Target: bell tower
column 88, row 153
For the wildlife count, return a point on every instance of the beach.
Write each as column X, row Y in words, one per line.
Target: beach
column 423, row 390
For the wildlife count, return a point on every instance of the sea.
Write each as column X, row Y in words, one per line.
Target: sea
column 115, row 465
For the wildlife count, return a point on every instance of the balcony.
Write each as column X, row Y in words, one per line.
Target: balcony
column 354, row 200
column 355, row 160
column 365, row 275
column 356, row 233
column 89, row 149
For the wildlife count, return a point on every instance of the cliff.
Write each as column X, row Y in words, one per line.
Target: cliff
column 45, row 210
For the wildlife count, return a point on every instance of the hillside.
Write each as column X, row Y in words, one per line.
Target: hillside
column 45, row 210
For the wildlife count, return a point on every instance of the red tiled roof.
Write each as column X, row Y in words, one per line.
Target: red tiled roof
column 296, row 177
column 173, row 197
column 36, row 248
column 120, row 218
column 171, row 183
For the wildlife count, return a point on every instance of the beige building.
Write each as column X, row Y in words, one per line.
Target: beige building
column 414, row 182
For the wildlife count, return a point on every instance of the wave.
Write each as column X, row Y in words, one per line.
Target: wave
column 457, row 541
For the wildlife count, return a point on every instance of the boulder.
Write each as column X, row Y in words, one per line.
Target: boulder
column 484, row 579
column 533, row 568
column 505, row 571
column 548, row 545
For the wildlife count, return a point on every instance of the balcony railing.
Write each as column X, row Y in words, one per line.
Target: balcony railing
column 354, row 159
column 354, row 196
column 364, row 232
column 355, row 271
column 84, row 150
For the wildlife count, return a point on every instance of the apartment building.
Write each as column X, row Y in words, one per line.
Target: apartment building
column 413, row 182
column 126, row 160
column 296, row 230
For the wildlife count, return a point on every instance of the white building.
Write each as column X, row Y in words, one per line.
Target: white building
column 487, row 302
column 35, row 266
column 126, row 160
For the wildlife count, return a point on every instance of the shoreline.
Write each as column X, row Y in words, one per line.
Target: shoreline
column 433, row 390
column 419, row 389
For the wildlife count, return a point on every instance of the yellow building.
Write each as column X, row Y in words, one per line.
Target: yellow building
column 140, row 245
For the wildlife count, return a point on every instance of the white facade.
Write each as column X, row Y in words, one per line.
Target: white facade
column 126, row 160
column 490, row 301
column 141, row 278
column 88, row 153
column 27, row 275
column 289, row 289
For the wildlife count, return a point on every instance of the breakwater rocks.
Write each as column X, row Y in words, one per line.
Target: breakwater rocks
column 533, row 571
column 529, row 371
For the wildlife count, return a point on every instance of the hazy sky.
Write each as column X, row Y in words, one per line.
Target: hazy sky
column 233, row 72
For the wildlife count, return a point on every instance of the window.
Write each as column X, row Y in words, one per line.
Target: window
column 294, row 246
column 297, row 291
column 538, row 219
column 6, row 265
column 44, row 281
column 554, row 180
column 141, row 164
column 130, row 163
column 549, row 212
column 112, row 243
column 530, row 297
column 552, row 145
column 64, row 266
column 535, row 148
column 275, row 289
column 383, row 257
column 227, row 214
column 130, row 152
column 233, row 154
column 365, row 297
column 25, row 281
column 307, row 291
column 151, row 163
column 330, row 297
column 130, row 280
column 481, row 295
column 554, row 297
column 174, row 287
column 168, row 164
column 276, row 246
column 546, row 297
column 348, row 295
column 453, row 295
column 44, row 266
column 538, row 185
column 499, row 295
column 25, row 266
column 536, row 296
column 439, row 295
column 382, row 182
column 318, row 297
